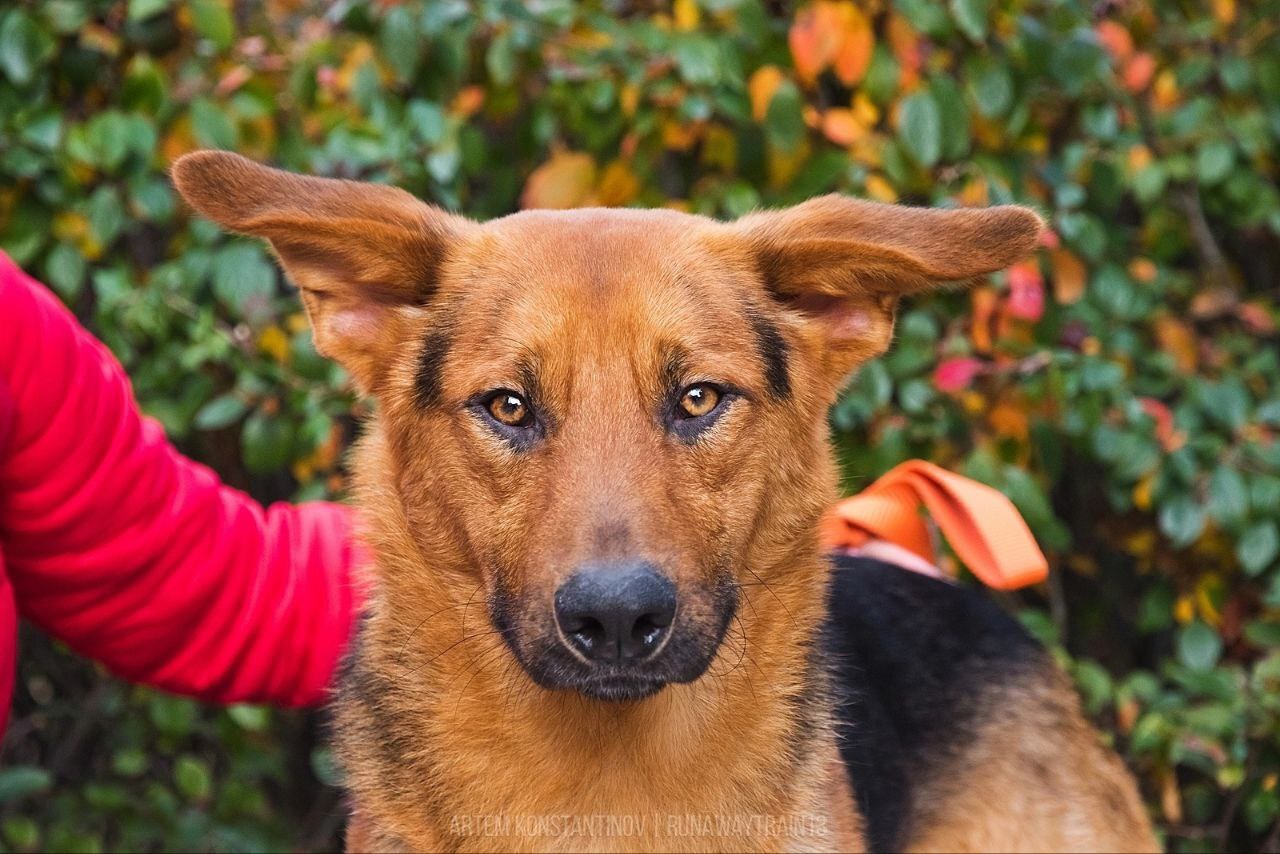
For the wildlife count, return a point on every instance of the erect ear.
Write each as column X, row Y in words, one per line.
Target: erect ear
column 360, row 253
column 843, row 263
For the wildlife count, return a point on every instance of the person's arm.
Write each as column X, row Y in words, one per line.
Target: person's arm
column 140, row 558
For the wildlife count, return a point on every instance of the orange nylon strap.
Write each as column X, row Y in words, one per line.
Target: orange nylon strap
column 983, row 527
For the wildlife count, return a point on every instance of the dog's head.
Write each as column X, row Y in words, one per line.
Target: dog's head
column 616, row 416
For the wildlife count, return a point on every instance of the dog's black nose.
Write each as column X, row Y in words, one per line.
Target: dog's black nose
column 616, row 612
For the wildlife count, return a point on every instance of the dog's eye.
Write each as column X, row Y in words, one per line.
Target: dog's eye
column 698, row 400
column 509, row 408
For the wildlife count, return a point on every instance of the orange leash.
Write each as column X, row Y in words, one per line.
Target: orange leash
column 983, row 527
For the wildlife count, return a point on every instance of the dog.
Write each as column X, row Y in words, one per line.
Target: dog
column 602, row 617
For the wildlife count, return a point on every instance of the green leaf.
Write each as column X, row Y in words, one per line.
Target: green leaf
column 991, row 88
column 971, row 17
column 65, row 270
column 175, row 716
column 784, row 119
column 220, row 412
column 1259, row 546
column 1228, row 496
column 401, row 44
column 266, row 442
column 212, row 126
column 921, row 128
column 194, row 780
column 252, row 718
column 1199, row 647
column 23, row 781
column 243, row 279
column 142, row 9
column 24, row 46
column 22, row 833
column 1213, row 161
column 1182, row 520
column 212, row 19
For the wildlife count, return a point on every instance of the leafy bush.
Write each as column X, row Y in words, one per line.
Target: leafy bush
column 1123, row 388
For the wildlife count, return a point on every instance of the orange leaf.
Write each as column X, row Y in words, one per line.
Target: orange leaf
column 854, row 57
column 1116, row 39
column 1009, row 420
column 1177, row 339
column 985, row 301
column 815, row 39
column 841, row 126
column 468, row 101
column 1069, row 277
column 1143, row 270
column 907, row 49
column 1138, row 72
column 564, row 181
column 763, row 84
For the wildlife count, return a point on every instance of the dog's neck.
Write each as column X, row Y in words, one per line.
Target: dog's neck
column 448, row 744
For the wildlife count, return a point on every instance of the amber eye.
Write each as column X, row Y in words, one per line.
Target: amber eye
column 699, row 400
column 509, row 408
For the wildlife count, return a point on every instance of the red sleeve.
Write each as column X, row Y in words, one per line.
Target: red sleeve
column 142, row 559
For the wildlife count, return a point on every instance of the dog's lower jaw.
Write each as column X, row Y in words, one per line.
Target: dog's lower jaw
column 442, row 755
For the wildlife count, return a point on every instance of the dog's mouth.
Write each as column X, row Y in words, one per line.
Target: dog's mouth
column 621, row 688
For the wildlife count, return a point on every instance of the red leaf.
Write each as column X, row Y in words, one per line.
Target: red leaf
column 954, row 375
column 1026, row 291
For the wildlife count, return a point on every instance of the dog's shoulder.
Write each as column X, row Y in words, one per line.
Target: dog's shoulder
column 913, row 660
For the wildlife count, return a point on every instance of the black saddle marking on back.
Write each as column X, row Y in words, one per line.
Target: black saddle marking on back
column 908, row 657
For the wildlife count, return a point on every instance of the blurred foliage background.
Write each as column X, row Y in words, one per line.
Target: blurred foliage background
column 1123, row 388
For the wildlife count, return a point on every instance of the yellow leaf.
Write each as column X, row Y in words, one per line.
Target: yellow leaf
column 681, row 137
column 1184, row 610
column 564, row 181
column 1164, row 95
column 1224, row 11
column 618, row 185
column 1069, row 277
column 764, row 82
column 783, row 166
column 275, row 343
column 866, row 111
column 975, row 193
column 1142, row 493
column 686, row 14
column 880, row 189
column 720, row 149
column 1208, row 594
column 629, row 99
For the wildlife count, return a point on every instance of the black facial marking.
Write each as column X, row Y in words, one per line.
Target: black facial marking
column 674, row 367
column 426, row 384
column 773, row 349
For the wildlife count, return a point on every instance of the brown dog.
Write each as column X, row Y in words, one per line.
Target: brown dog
column 593, row 487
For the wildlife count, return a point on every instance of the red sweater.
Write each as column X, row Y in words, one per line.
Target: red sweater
column 138, row 557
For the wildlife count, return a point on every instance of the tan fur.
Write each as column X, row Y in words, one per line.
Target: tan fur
column 447, row 741
column 1036, row 778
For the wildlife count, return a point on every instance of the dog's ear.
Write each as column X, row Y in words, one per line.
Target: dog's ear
column 843, row 263
column 360, row 253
